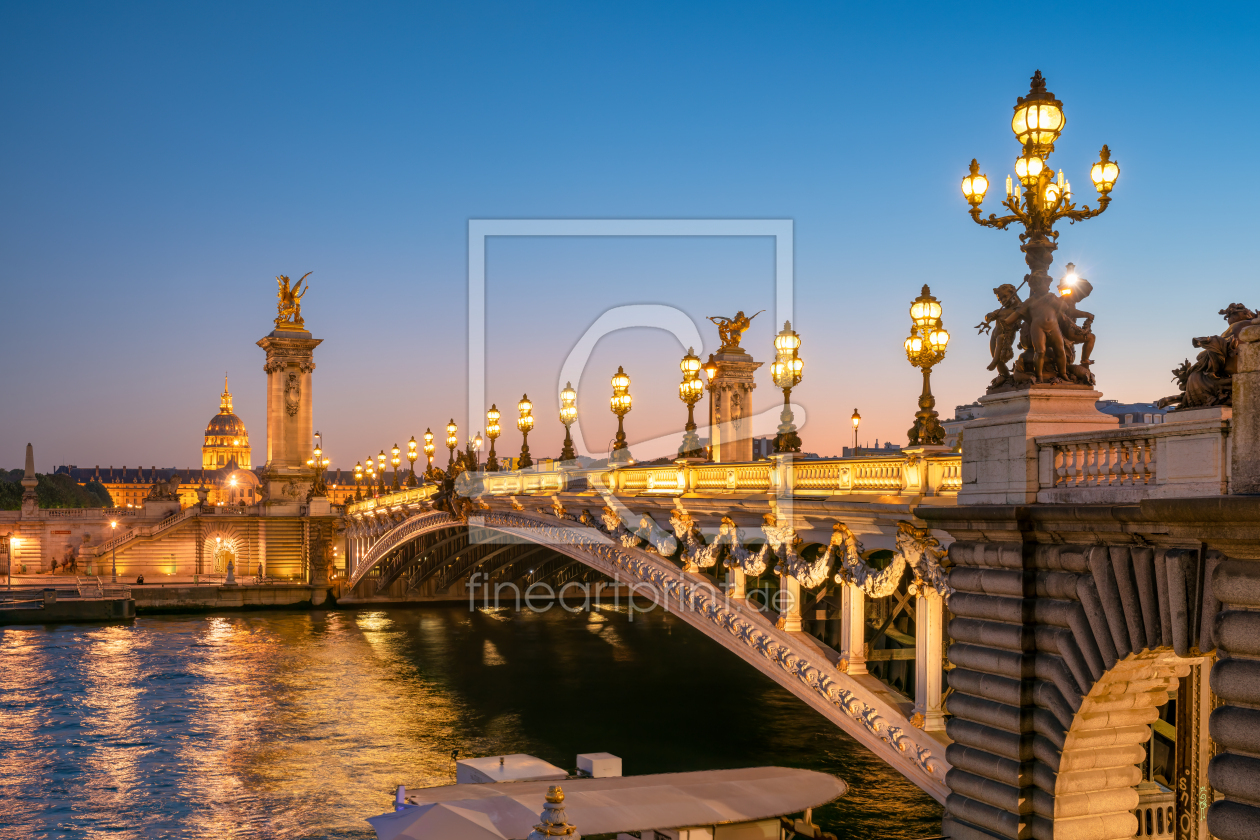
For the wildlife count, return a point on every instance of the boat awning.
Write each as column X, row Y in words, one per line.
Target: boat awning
column 628, row 803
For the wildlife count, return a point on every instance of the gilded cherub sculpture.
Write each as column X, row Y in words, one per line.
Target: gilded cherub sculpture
column 731, row 330
column 289, row 304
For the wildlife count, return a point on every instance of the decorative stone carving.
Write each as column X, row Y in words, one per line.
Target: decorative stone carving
column 289, row 302
column 655, row 536
column 292, row 394
column 851, row 569
column 923, row 553
column 731, row 330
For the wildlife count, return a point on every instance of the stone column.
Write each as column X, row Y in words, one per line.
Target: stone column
column 999, row 459
column 853, row 629
column 789, row 604
column 735, row 583
column 1245, row 430
column 30, row 503
column 929, row 616
column 730, row 406
column 290, row 422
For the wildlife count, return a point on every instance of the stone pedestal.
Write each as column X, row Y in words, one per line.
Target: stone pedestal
column 999, row 458
column 290, row 421
column 730, row 406
column 1245, row 431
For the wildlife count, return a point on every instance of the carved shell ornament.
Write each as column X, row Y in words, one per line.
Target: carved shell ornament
column 292, row 394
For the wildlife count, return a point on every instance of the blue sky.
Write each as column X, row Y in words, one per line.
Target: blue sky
column 161, row 163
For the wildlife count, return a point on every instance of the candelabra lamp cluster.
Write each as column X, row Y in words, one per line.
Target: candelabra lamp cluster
column 620, row 403
column 493, row 430
column 358, row 481
column 786, row 372
column 380, row 472
column 319, row 465
column 525, row 422
column 452, row 441
column 924, row 348
column 1037, row 199
column 411, row 458
column 429, row 448
column 568, row 416
column 395, row 460
column 690, row 390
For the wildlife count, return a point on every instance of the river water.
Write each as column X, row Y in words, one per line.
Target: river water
column 300, row 724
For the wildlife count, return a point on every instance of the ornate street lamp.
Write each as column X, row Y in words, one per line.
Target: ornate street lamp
column 412, row 455
column 568, row 416
column 690, row 390
column 525, row 422
column 395, row 460
column 786, row 372
column 1037, row 123
column 380, row 470
column 452, row 441
column 319, row 465
column 924, row 348
column 711, row 367
column 621, row 403
column 474, row 447
column 429, row 449
column 857, row 418
column 493, row 430
column 358, row 481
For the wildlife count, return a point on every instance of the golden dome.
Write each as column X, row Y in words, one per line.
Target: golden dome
column 227, row 440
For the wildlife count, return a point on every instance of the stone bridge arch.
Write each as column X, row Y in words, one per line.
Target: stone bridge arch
column 1062, row 655
column 791, row 659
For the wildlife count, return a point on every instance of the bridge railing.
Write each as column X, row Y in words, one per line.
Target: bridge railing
column 1186, row 455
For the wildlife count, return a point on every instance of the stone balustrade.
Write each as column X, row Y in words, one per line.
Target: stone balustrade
column 1187, row 455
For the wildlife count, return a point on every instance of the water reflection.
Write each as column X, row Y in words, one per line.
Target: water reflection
column 298, row 725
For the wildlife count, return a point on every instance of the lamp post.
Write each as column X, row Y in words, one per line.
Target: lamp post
column 395, row 460
column 113, row 553
column 429, row 449
column 568, row 415
column 1037, row 123
column 621, row 403
column 474, row 447
column 452, row 441
column 412, row 455
column 525, row 422
column 786, row 372
column 690, row 390
column 358, row 481
column 318, row 464
column 924, row 348
column 371, row 474
column 8, row 555
column 857, row 418
column 380, row 471
column 492, row 431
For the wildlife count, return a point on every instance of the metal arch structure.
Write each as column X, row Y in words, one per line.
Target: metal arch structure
column 790, row 659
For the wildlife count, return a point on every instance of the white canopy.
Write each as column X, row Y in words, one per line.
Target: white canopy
column 625, row 803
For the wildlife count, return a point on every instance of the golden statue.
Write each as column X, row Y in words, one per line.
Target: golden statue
column 731, row 330
column 290, row 302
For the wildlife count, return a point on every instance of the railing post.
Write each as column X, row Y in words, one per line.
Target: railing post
column 928, row 714
column 852, row 629
column 735, row 583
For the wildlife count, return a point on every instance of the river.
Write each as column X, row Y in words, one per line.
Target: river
column 300, row 724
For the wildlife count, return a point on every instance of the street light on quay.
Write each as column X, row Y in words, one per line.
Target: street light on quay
column 924, row 348
column 690, row 390
column 452, row 441
column 412, row 455
column 113, row 553
column 493, row 429
column 786, row 372
column 857, row 418
column 525, row 422
column 429, row 449
column 568, row 416
column 621, row 402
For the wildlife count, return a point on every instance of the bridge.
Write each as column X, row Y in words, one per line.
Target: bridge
column 1005, row 641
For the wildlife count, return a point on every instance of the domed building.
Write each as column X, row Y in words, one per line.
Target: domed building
column 227, row 441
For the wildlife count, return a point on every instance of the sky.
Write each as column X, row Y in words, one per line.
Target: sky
column 160, row 164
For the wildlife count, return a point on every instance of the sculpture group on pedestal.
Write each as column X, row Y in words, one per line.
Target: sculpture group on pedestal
column 1209, row 381
column 1046, row 327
